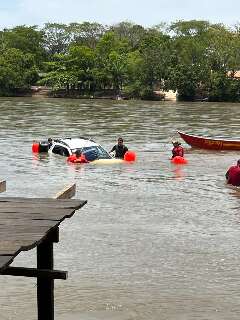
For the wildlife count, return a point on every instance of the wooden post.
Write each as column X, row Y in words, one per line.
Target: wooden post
column 67, row 193
column 45, row 286
column 36, row 273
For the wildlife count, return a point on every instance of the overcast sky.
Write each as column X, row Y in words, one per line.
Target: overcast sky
column 144, row 12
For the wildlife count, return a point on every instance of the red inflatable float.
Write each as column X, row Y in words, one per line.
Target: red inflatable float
column 130, row 156
column 179, row 160
column 35, row 147
column 39, row 147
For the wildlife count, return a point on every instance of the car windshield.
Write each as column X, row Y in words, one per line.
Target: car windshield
column 101, row 153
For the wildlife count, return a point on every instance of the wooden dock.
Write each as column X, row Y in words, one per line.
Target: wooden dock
column 26, row 223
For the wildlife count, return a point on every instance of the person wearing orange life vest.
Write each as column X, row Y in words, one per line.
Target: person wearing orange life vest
column 78, row 157
column 233, row 175
column 177, row 149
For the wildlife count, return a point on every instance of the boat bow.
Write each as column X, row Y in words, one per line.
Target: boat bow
column 209, row 143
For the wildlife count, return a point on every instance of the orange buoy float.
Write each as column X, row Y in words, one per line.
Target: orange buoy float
column 39, row 147
column 179, row 160
column 129, row 156
column 35, row 147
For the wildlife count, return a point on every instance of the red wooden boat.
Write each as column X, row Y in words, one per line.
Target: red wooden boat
column 210, row 143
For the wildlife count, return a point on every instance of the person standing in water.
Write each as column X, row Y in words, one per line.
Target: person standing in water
column 177, row 149
column 233, row 174
column 120, row 149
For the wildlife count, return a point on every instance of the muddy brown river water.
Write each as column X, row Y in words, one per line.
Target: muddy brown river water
column 155, row 241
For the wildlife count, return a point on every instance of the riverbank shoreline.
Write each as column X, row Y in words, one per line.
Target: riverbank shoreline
column 41, row 91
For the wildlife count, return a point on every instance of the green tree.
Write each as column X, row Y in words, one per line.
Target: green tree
column 155, row 49
column 190, row 66
column 27, row 39
column 57, row 38
column 130, row 32
column 110, row 65
column 133, row 86
column 17, row 70
column 72, row 70
column 87, row 33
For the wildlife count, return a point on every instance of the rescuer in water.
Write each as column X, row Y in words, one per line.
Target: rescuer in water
column 78, row 157
column 233, row 174
column 177, row 149
column 120, row 149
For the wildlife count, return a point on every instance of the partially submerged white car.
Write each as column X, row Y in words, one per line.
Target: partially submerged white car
column 93, row 151
column 69, row 146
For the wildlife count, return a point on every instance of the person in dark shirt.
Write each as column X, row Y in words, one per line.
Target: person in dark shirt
column 120, row 149
column 177, row 149
column 233, row 175
column 50, row 142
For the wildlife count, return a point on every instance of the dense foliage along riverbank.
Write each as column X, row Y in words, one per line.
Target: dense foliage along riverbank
column 195, row 58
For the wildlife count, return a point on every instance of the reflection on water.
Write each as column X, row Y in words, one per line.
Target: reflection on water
column 178, row 173
column 155, row 241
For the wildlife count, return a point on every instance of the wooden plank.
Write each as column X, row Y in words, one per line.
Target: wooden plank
column 33, row 210
column 28, row 208
column 14, row 247
column 20, row 243
column 72, row 202
column 23, row 222
column 2, row 186
column 67, row 193
column 33, row 273
column 33, row 199
column 27, row 214
column 47, row 215
column 25, row 233
column 23, row 229
column 28, row 217
column 33, row 238
column 45, row 212
column 29, row 227
column 13, row 243
column 70, row 205
column 11, row 247
column 21, row 235
column 11, row 251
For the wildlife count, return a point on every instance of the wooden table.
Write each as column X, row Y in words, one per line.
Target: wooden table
column 26, row 223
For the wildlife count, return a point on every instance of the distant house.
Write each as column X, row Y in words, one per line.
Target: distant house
column 169, row 95
column 234, row 74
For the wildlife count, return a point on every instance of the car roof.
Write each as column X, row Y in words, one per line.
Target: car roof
column 76, row 143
